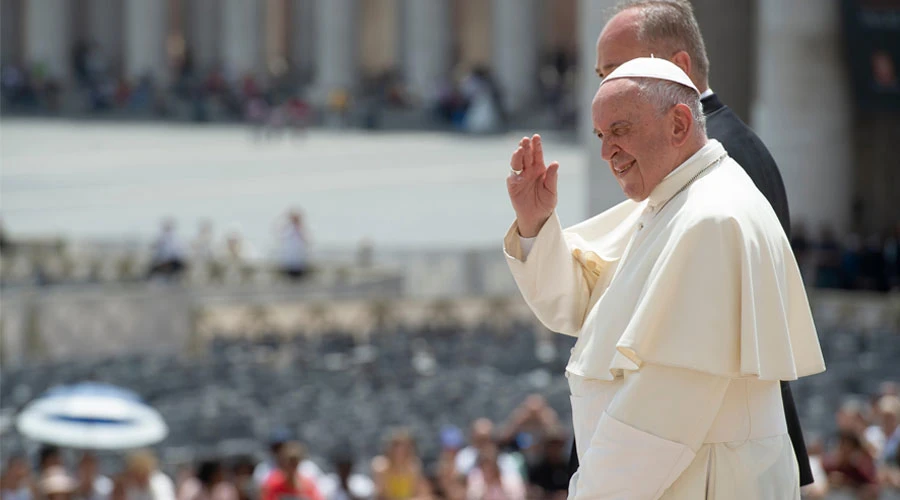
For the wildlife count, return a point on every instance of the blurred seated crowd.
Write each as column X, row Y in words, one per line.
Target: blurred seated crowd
column 341, row 417
column 862, row 459
column 525, row 459
column 849, row 262
column 467, row 99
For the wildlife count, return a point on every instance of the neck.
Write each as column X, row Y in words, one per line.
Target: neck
column 702, row 86
column 690, row 149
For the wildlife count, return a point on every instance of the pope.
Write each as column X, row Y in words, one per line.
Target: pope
column 685, row 298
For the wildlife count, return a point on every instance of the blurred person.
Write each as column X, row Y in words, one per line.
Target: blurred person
column 656, row 371
column 56, row 484
column 236, row 249
column 851, row 258
column 892, row 258
column 398, row 473
column 202, row 244
column 91, row 484
column 278, row 438
column 488, row 482
column 49, row 456
column 210, row 483
column 481, row 438
column 550, row 474
column 529, row 422
column 485, row 109
column 15, row 483
column 344, row 484
column 872, row 270
column 293, row 238
column 851, row 467
column 851, row 418
column 168, row 258
column 828, row 260
column 669, row 29
column 448, row 481
column 6, row 244
column 286, row 481
column 889, row 414
column 142, row 479
column 242, row 477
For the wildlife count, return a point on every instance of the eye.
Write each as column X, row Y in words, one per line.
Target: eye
column 600, row 135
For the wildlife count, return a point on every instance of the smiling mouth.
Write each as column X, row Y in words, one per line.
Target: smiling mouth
column 621, row 170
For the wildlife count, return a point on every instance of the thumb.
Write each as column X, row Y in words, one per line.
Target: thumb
column 552, row 177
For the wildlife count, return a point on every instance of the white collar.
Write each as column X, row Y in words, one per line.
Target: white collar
column 706, row 93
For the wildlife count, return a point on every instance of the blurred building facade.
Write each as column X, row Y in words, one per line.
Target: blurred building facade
column 785, row 67
column 330, row 44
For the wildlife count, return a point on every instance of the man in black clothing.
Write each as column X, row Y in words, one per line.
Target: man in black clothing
column 668, row 28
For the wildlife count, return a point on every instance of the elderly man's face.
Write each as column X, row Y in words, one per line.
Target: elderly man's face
column 635, row 143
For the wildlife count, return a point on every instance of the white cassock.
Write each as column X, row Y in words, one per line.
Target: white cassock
column 689, row 309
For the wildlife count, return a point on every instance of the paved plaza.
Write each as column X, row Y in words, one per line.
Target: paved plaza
column 116, row 181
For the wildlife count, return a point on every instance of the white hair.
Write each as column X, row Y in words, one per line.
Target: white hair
column 664, row 94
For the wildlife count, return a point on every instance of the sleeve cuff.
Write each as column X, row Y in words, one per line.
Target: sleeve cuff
column 526, row 245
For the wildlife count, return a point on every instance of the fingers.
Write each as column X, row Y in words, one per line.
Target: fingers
column 538, row 150
column 550, row 181
column 528, row 158
column 516, row 163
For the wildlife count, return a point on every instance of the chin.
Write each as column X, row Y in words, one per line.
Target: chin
column 633, row 194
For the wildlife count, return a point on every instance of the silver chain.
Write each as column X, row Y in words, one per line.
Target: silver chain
column 694, row 178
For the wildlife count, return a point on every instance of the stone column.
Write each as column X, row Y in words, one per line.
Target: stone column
column 104, row 26
column 302, row 36
column 146, row 28
column 603, row 190
column 242, row 44
column 337, row 31
column 515, row 55
column 204, row 33
column 728, row 30
column 48, row 37
column 802, row 111
column 11, row 24
column 427, row 44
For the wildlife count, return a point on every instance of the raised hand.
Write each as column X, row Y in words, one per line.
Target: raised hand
column 532, row 186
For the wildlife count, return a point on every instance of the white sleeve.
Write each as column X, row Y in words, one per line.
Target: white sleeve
column 551, row 280
column 649, row 435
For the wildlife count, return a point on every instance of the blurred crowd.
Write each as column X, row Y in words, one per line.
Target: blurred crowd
column 527, row 457
column 467, row 99
column 863, row 459
column 851, row 262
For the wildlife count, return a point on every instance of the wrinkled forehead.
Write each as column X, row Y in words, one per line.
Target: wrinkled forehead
column 616, row 100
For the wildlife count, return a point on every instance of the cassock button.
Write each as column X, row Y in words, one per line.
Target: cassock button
column 640, row 226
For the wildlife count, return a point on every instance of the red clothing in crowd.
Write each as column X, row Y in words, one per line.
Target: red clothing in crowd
column 276, row 487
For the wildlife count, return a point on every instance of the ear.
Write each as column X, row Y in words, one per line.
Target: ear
column 683, row 61
column 682, row 124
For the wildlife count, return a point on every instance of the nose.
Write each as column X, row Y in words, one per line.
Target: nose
column 608, row 149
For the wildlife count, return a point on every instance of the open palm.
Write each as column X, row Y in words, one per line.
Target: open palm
column 533, row 189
